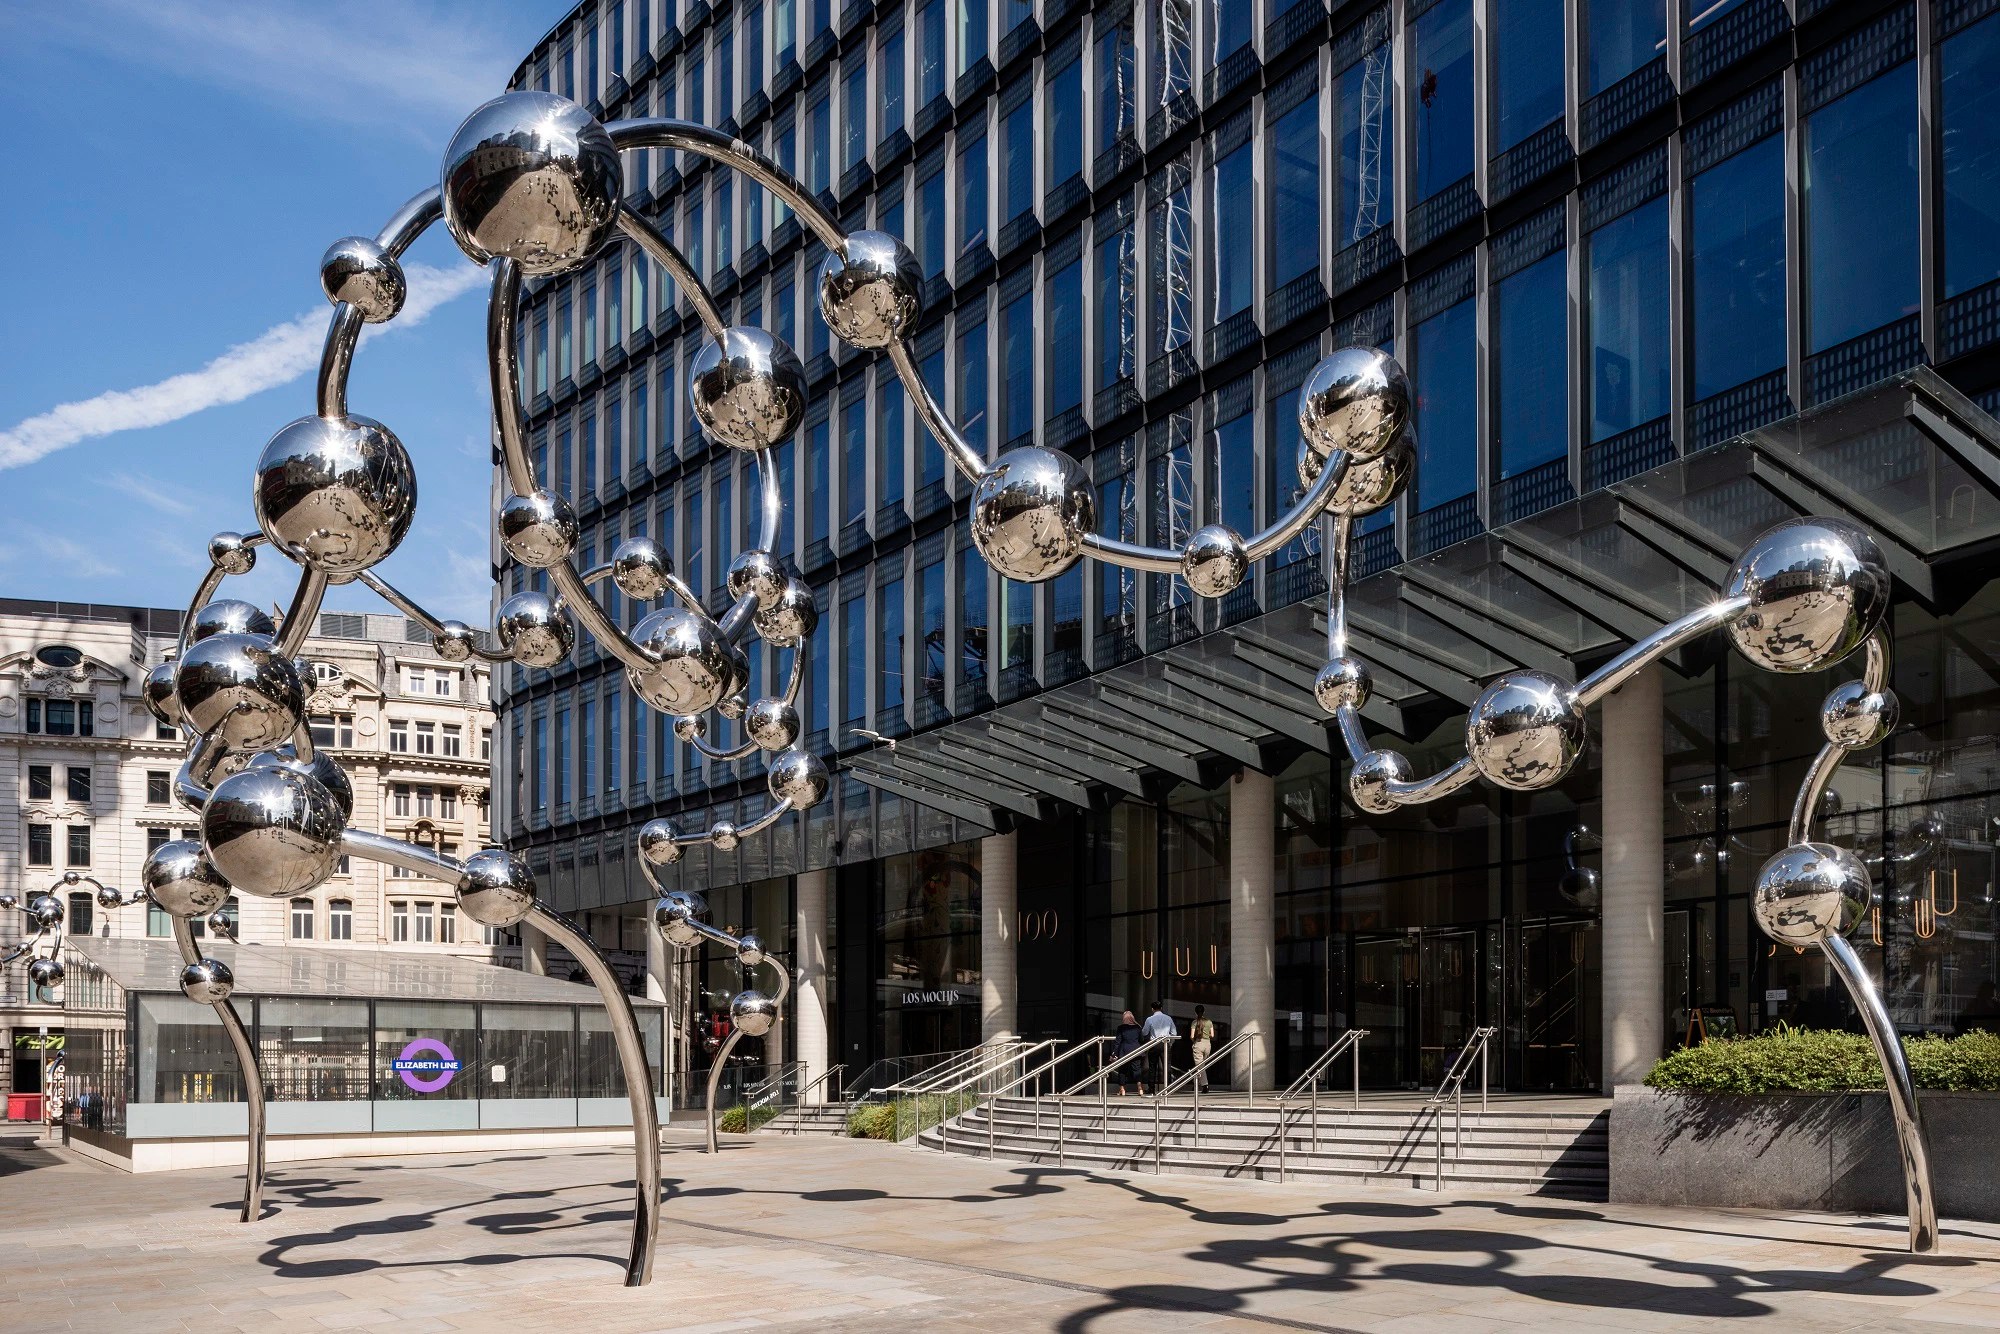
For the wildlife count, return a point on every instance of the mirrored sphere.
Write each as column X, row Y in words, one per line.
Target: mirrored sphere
column 321, row 768
column 158, row 692
column 1525, row 730
column 221, row 925
column 691, row 729
column 533, row 630
column 753, row 1012
column 657, row 843
column 538, row 529
column 790, row 618
column 688, row 667
column 772, row 723
column 45, row 910
column 339, row 495
column 756, row 574
column 1031, row 511
column 230, row 616
column 356, row 270
column 1369, row 781
column 724, row 836
column 109, row 897
column 207, row 981
column 454, row 641
column 1343, row 681
column 272, row 832
column 9, row 900
column 45, row 973
column 531, row 177
column 800, row 777
column 1215, row 560
column 1817, row 589
column 1580, row 885
column 732, row 706
column 1809, row 892
column 676, row 914
column 1372, row 484
column 874, row 294
column 496, row 888
column 229, row 553
column 1855, row 717
column 640, row 567
column 240, row 689
column 179, row 877
column 1355, row 400
column 749, row 390
column 750, row 951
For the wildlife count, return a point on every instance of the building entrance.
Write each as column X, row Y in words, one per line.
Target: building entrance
column 1558, row 1026
column 1419, row 993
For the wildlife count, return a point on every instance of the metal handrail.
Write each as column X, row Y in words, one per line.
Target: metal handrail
column 1104, row 1071
column 1451, row 1092
column 944, row 1121
column 923, row 1080
column 986, row 1059
column 757, row 1093
column 823, row 1077
column 1308, row 1084
column 1168, row 1086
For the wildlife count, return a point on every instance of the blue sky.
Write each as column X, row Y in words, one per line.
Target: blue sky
column 178, row 169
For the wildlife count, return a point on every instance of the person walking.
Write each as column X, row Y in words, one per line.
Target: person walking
column 1159, row 1024
column 1201, row 1037
column 1123, row 1043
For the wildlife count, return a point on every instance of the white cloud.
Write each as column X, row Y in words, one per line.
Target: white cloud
column 277, row 356
column 42, row 551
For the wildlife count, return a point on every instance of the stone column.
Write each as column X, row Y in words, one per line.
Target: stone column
column 534, row 951
column 1252, row 866
column 999, row 901
column 1634, row 881
column 812, row 889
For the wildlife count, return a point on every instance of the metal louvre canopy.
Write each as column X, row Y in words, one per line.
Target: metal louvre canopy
column 1909, row 459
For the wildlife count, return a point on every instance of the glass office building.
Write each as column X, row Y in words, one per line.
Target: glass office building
column 1620, row 246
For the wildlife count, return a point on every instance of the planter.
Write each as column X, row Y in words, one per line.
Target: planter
column 1831, row 1151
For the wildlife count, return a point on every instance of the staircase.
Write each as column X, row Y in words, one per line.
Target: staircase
column 825, row 1118
column 1535, row 1150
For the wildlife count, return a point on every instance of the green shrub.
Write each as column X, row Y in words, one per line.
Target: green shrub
column 880, row 1120
column 1799, row 1060
column 736, row 1121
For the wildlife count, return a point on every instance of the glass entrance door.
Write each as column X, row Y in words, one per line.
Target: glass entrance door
column 1558, row 1019
column 1419, row 994
column 1449, row 976
column 1385, row 1003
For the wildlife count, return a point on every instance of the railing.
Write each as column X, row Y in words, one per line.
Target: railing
column 1165, row 1042
column 1041, row 1072
column 1451, row 1093
column 997, row 1059
column 878, row 1079
column 1194, row 1074
column 1307, row 1085
column 946, row 1071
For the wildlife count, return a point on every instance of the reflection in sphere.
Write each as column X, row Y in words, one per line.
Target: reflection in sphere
column 657, row 843
column 229, row 553
column 158, row 693
column 533, row 630
column 1809, row 892
column 356, row 270
column 872, row 295
column 230, row 616
column 1854, row 717
column 1525, row 730
column 772, row 723
column 454, row 641
column 732, row 706
column 640, row 567
column 272, row 832
column 321, row 769
column 1354, row 401
column 109, row 897
column 496, row 888
column 180, row 879
column 789, row 619
column 688, row 668
column 45, row 973
column 1342, row 683
column 750, row 950
column 691, row 728
column 1371, row 485
column 538, row 529
column 1369, row 781
column 241, row 690
column 1580, row 885
column 724, row 836
column 45, row 910
column 749, row 390
column 533, row 178
column 1215, row 560
column 800, row 777
column 1817, row 589
column 756, row 574
column 207, row 981
column 676, row 914
column 338, row 494
column 753, row 1012
column 1031, row 511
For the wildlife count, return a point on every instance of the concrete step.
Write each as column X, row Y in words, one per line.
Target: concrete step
column 1263, row 1127
column 818, row 1119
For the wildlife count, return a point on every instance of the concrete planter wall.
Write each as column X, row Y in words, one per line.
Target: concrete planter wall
column 1833, row 1151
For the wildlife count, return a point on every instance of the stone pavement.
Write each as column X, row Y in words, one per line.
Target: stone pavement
column 831, row 1235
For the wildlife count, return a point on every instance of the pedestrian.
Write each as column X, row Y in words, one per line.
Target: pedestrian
column 1201, row 1035
column 1160, row 1024
column 1123, row 1044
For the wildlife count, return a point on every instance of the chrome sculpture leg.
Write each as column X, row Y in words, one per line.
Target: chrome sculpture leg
column 638, row 1086
column 253, row 1079
column 1918, row 1190
column 715, row 1082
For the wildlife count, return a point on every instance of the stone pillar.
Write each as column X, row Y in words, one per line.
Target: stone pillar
column 534, row 951
column 1634, row 881
column 811, row 890
column 1252, row 866
column 999, row 902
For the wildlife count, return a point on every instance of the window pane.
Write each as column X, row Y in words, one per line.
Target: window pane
column 889, row 643
column 1065, row 366
column 1528, row 37
column 972, row 194
column 1442, row 80
column 1018, row 161
column 1115, row 94
column 889, row 444
column 854, row 660
column 1627, row 319
column 1233, row 451
column 1738, row 292
column 526, row 1051
column 1624, row 34
column 854, row 463
column 1969, row 67
column 930, row 51
column 929, row 236
column 332, row 1034
column 1861, row 210
column 1367, row 149
column 972, row 387
column 1295, row 204
column 1445, row 355
column 1117, row 308
column 889, row 74
column 1530, row 319
column 1017, row 368
column 1232, row 200
column 1065, row 122
column 434, row 1043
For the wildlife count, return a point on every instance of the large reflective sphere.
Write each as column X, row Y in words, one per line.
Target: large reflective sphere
column 1366, row 486
column 753, row 1012
column 356, row 270
column 1355, row 400
column 873, row 295
column 339, row 494
column 1031, row 511
column 45, row 973
column 1811, row 891
column 208, row 981
column 241, row 689
column 533, row 630
column 230, row 616
column 455, row 641
column 1215, row 560
column 676, row 914
column 1343, row 683
column 109, row 897
column 538, row 529
column 45, row 910
column 533, row 178
column 689, row 667
column 800, row 777
column 1854, row 717
column 1525, row 730
column 158, row 692
column 1817, row 588
column 640, row 567
column 790, row 618
column 771, row 723
column 756, row 574
column 1369, row 781
column 749, row 390
column 496, row 888
column 320, row 768
column 179, row 877
column 657, row 843
column 272, row 832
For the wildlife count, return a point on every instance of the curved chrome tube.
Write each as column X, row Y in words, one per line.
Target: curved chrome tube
column 664, row 253
column 1304, row 510
column 969, row 462
column 1919, row 1194
column 253, row 1079
column 704, row 141
column 1655, row 646
column 1805, row 808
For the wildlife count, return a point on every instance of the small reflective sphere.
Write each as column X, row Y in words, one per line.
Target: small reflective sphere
column 158, row 692
column 756, row 574
column 496, row 888
column 689, row 665
column 108, row 897
column 1215, row 560
column 272, row 832
column 800, row 777
column 337, row 494
column 1809, row 892
column 1366, row 486
column 538, row 529
column 1344, row 681
column 72, row 877
column 241, row 689
column 230, row 616
column 179, row 877
column 1031, row 511
column 221, row 926
column 229, row 553
column 1580, row 885
column 208, row 981
column 640, row 567
column 533, row 630
column 772, row 723
column 753, row 1012
column 874, row 294
column 790, row 618
column 533, row 178
column 732, row 706
column 749, row 390
column 691, row 729
column 1369, row 782
column 676, row 913
column 321, row 768
column 724, row 836
column 750, row 951
column 454, row 641
column 1525, row 730
column 45, row 973
column 1855, row 717
column 1817, row 588
column 1355, row 400
column 9, row 900
column 356, row 270
column 45, row 910
column 657, row 843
